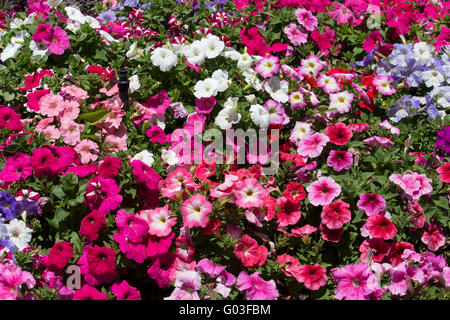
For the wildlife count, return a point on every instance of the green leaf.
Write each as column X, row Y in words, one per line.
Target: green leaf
column 60, row 215
column 441, row 203
column 95, row 117
column 59, row 192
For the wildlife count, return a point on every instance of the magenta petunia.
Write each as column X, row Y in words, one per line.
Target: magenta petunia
column 340, row 160
column 371, row 203
column 354, row 282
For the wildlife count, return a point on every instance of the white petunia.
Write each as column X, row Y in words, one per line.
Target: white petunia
column 206, row 88
column 16, row 23
column 251, row 77
column 39, row 49
column 145, row 156
column 245, row 62
column 53, row 3
column 301, row 129
column 75, row 15
column 222, row 79
column 432, row 78
column 212, row 46
column 169, row 157
column 134, row 52
column 278, row 89
column 134, row 83
column 229, row 115
column 92, row 22
column 74, row 27
column 195, row 53
column 231, row 53
column 341, row 101
column 103, row 33
column 13, row 47
column 423, row 53
column 260, row 116
column 164, row 58
column 10, row 51
column 30, row 19
column 19, row 234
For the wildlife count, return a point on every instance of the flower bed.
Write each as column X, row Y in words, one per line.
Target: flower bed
column 281, row 149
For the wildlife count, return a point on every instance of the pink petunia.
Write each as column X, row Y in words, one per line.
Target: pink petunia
column 323, row 191
column 306, row 19
column 312, row 145
column 249, row 193
column 58, row 41
column 257, row 288
column 16, row 167
column 268, row 66
column 380, row 227
column 336, row 214
column 159, row 220
column 156, row 134
column 383, row 83
column 195, row 211
column 433, row 236
column 89, row 293
column 205, row 105
column 124, row 291
column 87, row 149
column 51, row 105
column 250, row 253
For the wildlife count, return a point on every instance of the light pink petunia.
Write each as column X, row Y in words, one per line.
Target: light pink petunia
column 71, row 132
column 51, row 105
column 195, row 211
column 323, row 191
column 295, row 35
column 159, row 220
column 249, row 193
column 86, row 148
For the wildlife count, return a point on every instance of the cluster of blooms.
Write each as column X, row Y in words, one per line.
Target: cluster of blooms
column 364, row 281
column 122, row 192
column 415, row 65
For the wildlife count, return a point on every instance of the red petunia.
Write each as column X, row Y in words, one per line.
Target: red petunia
column 339, row 133
column 312, row 276
column 380, row 227
column 444, row 172
column 336, row 214
column 294, row 192
column 376, row 248
column 250, row 253
column 92, row 224
column 395, row 255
